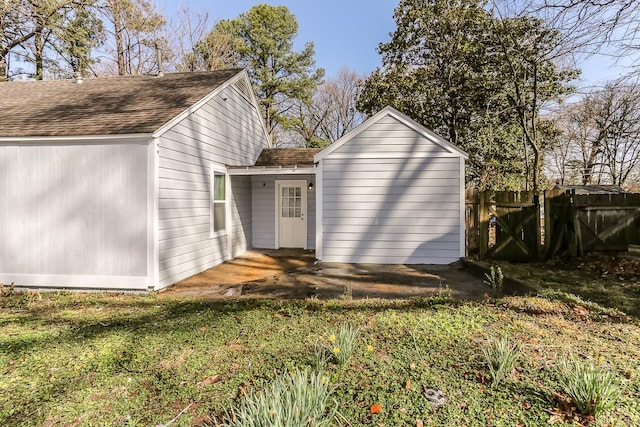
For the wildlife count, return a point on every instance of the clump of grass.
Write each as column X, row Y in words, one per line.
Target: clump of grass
column 337, row 347
column 344, row 343
column 592, row 389
column 7, row 290
column 494, row 279
column 501, row 356
column 298, row 398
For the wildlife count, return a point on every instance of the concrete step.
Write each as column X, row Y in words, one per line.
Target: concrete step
column 634, row 250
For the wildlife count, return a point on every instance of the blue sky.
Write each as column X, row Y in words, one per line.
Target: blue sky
column 344, row 33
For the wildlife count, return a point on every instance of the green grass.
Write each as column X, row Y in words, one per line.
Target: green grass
column 610, row 282
column 109, row 359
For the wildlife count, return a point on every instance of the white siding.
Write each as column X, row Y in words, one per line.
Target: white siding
column 241, row 214
column 264, row 210
column 74, row 215
column 389, row 137
column 392, row 196
column 226, row 130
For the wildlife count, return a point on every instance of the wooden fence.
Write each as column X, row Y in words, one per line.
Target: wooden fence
column 520, row 226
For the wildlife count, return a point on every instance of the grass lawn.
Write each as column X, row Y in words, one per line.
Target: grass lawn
column 113, row 359
column 608, row 280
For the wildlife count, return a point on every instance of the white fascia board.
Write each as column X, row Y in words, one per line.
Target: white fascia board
column 264, row 170
column 390, row 111
column 391, row 156
column 177, row 119
column 133, row 138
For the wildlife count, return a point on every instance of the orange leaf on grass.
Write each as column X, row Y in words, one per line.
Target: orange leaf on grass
column 375, row 408
column 407, row 385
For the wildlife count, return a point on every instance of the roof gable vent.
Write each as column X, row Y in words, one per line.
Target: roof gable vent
column 244, row 87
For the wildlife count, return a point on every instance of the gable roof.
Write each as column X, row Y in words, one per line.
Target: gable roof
column 287, row 156
column 409, row 122
column 102, row 106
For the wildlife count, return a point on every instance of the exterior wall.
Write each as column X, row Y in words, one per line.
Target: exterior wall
column 241, row 215
column 263, row 190
column 391, row 196
column 74, row 215
column 226, row 130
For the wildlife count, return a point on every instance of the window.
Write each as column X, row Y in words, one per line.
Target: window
column 291, row 202
column 219, row 202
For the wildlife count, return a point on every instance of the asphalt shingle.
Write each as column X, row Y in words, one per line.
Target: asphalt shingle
column 287, row 156
column 102, row 106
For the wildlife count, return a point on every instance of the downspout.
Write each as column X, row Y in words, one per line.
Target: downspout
column 153, row 174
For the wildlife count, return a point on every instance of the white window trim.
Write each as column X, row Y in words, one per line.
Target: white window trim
column 213, row 171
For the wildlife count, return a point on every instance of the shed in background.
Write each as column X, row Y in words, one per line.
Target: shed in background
column 390, row 192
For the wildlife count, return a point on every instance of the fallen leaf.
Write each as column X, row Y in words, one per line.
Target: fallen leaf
column 208, row 380
column 419, row 423
column 375, row 408
column 203, row 329
column 407, row 385
column 482, row 378
column 402, row 410
column 580, row 310
column 526, row 405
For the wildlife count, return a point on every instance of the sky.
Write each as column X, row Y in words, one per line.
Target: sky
column 344, row 33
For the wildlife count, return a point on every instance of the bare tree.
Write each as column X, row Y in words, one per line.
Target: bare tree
column 601, row 136
column 184, row 32
column 133, row 30
column 609, row 27
column 330, row 113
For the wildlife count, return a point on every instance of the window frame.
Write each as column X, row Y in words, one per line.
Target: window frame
column 218, row 171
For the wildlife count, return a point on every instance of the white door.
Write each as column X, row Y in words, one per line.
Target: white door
column 292, row 212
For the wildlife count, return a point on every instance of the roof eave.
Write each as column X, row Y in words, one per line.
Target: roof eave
column 129, row 137
column 272, row 170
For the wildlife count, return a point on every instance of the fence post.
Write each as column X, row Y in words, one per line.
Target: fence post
column 484, row 223
column 548, row 232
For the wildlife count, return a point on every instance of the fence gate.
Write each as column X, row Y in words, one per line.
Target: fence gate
column 510, row 225
column 581, row 223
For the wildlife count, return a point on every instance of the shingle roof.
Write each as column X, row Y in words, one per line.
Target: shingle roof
column 102, row 106
column 287, row 156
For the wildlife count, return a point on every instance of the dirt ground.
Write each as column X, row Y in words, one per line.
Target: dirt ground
column 295, row 274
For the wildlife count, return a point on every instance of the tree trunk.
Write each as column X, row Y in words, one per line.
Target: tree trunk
column 3, row 69
column 118, row 29
column 38, row 43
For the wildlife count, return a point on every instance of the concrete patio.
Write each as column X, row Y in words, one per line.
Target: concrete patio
column 293, row 273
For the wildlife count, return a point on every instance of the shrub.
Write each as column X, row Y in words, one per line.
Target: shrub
column 494, row 279
column 294, row 399
column 502, row 357
column 592, row 389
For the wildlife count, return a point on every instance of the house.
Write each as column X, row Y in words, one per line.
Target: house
column 140, row 182
column 590, row 189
